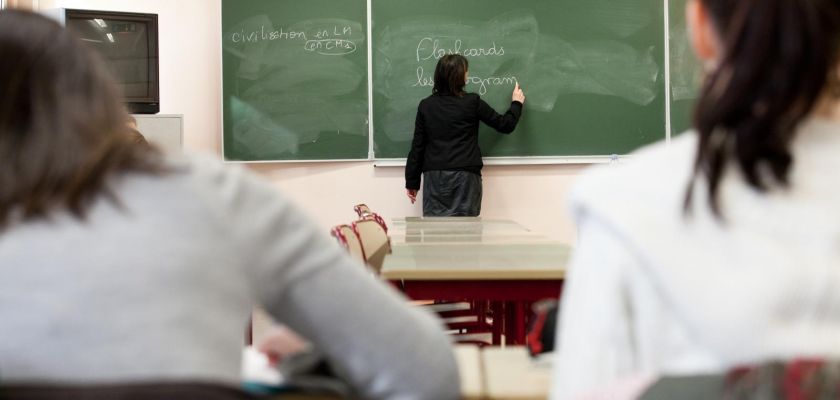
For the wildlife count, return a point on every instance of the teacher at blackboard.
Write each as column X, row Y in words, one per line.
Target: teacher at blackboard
column 445, row 145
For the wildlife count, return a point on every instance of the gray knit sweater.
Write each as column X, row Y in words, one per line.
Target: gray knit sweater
column 160, row 288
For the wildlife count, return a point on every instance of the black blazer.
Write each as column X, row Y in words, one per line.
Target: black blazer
column 446, row 133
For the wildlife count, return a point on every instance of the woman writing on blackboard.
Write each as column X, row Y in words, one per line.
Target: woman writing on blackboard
column 721, row 248
column 118, row 264
column 445, row 146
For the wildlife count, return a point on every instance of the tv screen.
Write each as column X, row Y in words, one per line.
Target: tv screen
column 128, row 42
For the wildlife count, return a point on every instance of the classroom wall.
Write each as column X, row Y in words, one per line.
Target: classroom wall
column 191, row 85
column 189, row 60
column 532, row 195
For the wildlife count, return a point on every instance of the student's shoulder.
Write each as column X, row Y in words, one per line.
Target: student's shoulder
column 648, row 180
column 211, row 176
column 471, row 97
column 649, row 161
column 428, row 100
column 199, row 166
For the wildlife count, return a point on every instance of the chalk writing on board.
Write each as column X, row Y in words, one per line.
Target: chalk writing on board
column 508, row 48
column 282, row 98
column 482, row 83
column 429, row 48
column 335, row 40
column 264, row 34
column 330, row 47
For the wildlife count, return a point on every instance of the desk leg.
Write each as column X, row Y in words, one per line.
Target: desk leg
column 480, row 309
column 498, row 321
column 515, row 320
column 519, row 322
column 504, row 295
column 510, row 321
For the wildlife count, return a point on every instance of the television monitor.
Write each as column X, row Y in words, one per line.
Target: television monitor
column 129, row 44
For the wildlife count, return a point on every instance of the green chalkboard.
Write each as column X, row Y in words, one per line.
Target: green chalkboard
column 686, row 71
column 592, row 70
column 294, row 84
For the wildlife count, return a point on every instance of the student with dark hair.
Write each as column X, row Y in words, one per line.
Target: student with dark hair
column 120, row 265
column 720, row 249
column 445, row 146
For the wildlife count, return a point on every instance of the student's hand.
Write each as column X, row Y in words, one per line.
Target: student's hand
column 518, row 95
column 280, row 342
column 412, row 195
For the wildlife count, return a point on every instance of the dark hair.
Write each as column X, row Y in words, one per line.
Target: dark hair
column 450, row 74
column 63, row 127
column 779, row 57
column 136, row 137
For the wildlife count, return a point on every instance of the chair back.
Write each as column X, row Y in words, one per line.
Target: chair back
column 347, row 237
column 790, row 379
column 362, row 210
column 375, row 242
column 379, row 220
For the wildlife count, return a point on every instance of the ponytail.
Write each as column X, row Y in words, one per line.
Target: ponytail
column 779, row 58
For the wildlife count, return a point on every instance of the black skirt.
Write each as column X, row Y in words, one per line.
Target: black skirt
column 451, row 194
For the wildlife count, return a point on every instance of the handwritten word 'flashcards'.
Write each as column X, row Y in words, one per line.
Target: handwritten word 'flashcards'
column 433, row 49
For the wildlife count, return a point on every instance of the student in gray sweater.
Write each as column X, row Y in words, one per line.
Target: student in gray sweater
column 118, row 265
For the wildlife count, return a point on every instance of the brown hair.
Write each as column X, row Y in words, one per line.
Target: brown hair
column 450, row 74
column 136, row 137
column 62, row 123
column 779, row 59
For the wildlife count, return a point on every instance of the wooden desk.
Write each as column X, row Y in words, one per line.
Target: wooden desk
column 501, row 374
column 490, row 374
column 453, row 226
column 471, row 372
column 484, row 238
column 524, row 261
column 511, row 374
column 435, row 220
column 514, row 274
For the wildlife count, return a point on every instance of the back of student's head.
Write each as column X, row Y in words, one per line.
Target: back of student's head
column 62, row 123
column 450, row 74
column 777, row 60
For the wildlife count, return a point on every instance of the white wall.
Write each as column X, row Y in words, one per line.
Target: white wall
column 190, row 36
column 532, row 195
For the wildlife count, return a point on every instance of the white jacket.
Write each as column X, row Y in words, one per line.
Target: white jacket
column 652, row 291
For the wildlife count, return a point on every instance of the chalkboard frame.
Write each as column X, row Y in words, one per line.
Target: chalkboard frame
column 367, row 130
column 526, row 160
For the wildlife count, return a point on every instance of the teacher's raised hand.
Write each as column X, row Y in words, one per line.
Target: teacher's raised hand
column 518, row 95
